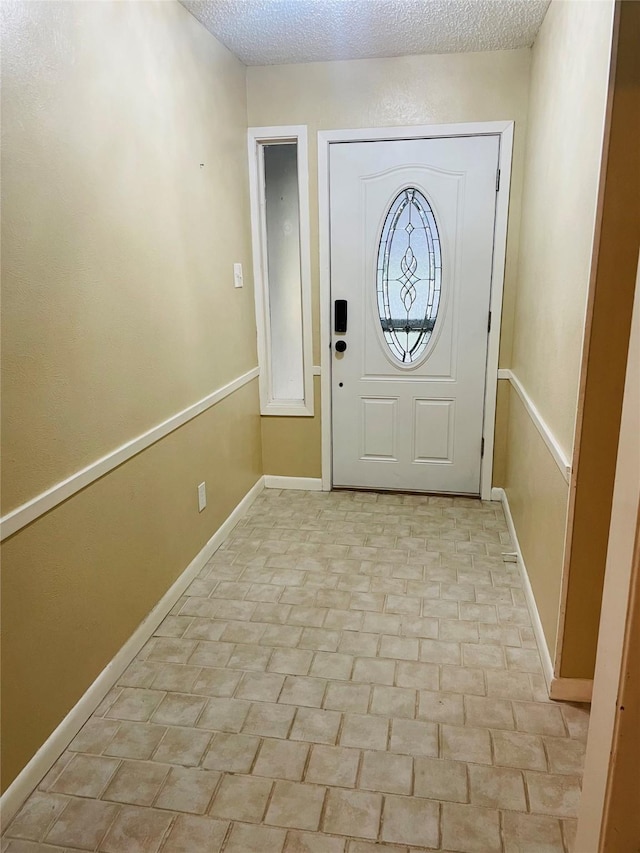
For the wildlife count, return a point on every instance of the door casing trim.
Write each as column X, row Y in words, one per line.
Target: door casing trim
column 503, row 129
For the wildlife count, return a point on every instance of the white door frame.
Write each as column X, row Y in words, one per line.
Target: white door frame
column 503, row 129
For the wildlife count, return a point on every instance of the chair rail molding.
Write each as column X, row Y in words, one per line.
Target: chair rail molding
column 47, row 500
column 560, row 457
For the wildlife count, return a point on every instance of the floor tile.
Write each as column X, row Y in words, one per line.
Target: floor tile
column 241, row 798
column 341, row 696
column 576, row 718
column 465, row 743
column 440, row 707
column 136, row 783
column 364, row 732
column 225, row 715
column 255, row 839
column 316, row 726
column 219, row 683
column 374, row 671
column 177, row 709
column 386, row 772
column 260, row 686
column 135, row 704
column 281, row 759
column 414, row 737
column 537, row 718
column 393, row 701
column 358, row 644
column 553, row 794
column 469, row 829
column 569, row 829
column 308, row 842
column 526, row 833
column 319, row 639
column 182, row 746
column 369, row 847
column 462, row 679
column 304, row 691
column 136, row 740
column 399, row 648
column 82, row 824
column 508, row 685
column 291, row 661
column 296, row 805
column 523, row 660
column 136, row 830
column 410, row 820
column 333, row 765
column 95, row 736
column 231, row 753
column 85, row 776
column 488, row 712
column 565, row 755
column 36, row 816
column 438, row 779
column 187, row 790
column 497, row 788
column 250, row 657
column 352, row 813
column 516, row 749
column 190, row 833
column 332, row 666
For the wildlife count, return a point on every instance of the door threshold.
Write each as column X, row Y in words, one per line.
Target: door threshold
column 423, row 494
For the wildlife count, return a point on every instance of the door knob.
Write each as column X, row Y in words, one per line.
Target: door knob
column 341, row 346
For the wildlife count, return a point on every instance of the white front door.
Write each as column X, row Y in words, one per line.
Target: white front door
column 412, row 231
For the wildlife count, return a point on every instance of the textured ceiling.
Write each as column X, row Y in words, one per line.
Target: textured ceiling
column 271, row 32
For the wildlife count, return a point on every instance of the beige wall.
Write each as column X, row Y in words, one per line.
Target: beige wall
column 567, row 102
column 291, row 447
column 117, row 245
column 381, row 93
column 118, row 311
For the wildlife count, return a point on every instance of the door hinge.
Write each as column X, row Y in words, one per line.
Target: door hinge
column 489, row 323
column 482, row 449
column 498, row 181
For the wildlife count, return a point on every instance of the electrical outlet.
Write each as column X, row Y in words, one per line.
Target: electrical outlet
column 202, row 496
column 238, row 280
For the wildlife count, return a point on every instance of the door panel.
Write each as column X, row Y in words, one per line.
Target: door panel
column 412, row 226
column 379, row 420
column 433, row 431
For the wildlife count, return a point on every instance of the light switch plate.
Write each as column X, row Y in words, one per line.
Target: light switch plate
column 238, row 280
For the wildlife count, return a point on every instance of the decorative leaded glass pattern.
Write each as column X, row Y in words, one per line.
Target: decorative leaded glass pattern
column 409, row 275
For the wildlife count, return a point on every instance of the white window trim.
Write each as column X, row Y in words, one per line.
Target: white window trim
column 258, row 136
column 325, row 137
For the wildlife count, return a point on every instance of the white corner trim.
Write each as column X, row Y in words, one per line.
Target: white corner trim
column 61, row 737
column 33, row 509
column 547, row 664
column 306, row 484
column 571, row 689
column 559, row 456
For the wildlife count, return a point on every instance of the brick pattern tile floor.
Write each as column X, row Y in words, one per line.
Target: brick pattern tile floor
column 350, row 673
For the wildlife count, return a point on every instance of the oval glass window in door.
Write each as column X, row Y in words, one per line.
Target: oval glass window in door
column 409, row 275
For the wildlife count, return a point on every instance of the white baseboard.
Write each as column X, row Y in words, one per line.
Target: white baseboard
column 571, row 689
column 306, row 484
column 31, row 775
column 547, row 664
